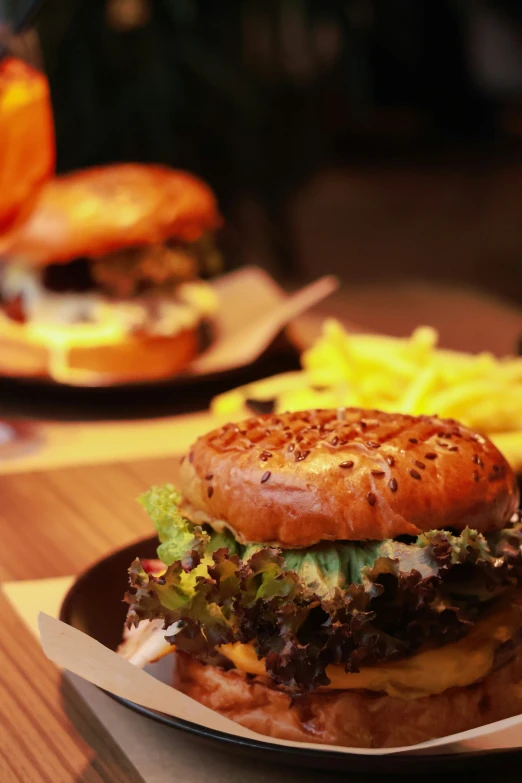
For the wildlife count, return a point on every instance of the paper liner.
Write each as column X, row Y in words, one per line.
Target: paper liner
column 49, row 593
column 155, row 750
column 252, row 311
column 78, row 653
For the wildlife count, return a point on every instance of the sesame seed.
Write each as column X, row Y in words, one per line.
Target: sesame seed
column 347, row 464
column 209, row 477
column 291, row 447
column 210, row 491
column 390, row 460
column 334, row 441
column 371, row 498
column 496, row 468
column 266, row 475
column 297, row 455
column 453, row 448
column 419, row 464
column 393, row 484
column 414, row 474
column 268, row 432
column 265, row 455
column 478, row 461
column 475, row 475
column 413, row 440
column 372, row 444
column 302, row 456
column 430, row 455
column 377, row 472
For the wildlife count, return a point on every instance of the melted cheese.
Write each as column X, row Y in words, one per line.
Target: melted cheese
column 424, row 674
column 92, row 317
column 65, row 321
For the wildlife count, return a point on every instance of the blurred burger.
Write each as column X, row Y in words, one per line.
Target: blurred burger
column 345, row 577
column 101, row 282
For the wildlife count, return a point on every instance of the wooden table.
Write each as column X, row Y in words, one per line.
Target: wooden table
column 56, row 523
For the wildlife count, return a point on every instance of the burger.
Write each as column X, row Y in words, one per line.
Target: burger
column 347, row 577
column 101, row 283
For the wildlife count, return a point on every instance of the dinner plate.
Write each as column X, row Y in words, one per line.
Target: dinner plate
column 281, row 346
column 94, row 605
column 30, row 397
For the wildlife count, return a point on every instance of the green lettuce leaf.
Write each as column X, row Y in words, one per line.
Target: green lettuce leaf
column 467, row 546
column 342, row 602
column 224, row 539
column 324, row 567
column 330, row 566
column 176, row 534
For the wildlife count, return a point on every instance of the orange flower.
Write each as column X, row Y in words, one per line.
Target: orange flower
column 27, row 149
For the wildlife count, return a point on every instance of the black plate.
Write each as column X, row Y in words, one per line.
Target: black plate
column 50, row 400
column 94, row 605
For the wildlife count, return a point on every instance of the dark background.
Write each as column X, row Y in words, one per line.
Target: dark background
column 379, row 139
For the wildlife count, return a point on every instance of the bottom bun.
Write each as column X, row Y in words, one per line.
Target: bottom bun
column 350, row 718
column 131, row 359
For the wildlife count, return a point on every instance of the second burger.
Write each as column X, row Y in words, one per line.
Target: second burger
column 101, row 283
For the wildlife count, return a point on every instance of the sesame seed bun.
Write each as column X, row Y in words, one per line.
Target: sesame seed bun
column 298, row 478
column 101, row 210
column 352, row 718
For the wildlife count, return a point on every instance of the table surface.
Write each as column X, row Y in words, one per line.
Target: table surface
column 56, row 523
column 72, row 427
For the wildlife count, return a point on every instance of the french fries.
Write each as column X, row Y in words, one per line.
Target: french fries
column 404, row 375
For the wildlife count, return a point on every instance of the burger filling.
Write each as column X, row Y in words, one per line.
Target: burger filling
column 152, row 288
column 338, row 614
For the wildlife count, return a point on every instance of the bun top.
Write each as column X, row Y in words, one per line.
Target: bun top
column 351, row 474
column 101, row 210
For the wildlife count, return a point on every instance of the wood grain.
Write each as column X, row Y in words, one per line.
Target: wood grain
column 56, row 523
